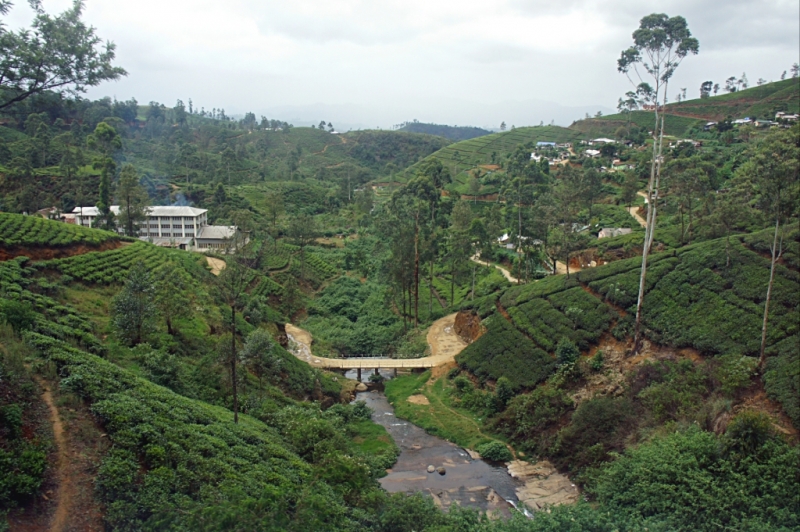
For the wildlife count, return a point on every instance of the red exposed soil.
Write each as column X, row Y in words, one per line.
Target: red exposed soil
column 468, row 326
column 44, row 253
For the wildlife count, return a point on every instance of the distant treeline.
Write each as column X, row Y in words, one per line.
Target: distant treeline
column 448, row 132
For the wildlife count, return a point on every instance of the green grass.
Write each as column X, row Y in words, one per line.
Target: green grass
column 371, row 438
column 440, row 418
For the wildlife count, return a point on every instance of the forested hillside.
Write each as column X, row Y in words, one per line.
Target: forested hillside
column 449, row 132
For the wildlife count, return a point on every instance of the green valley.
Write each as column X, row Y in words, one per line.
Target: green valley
column 217, row 323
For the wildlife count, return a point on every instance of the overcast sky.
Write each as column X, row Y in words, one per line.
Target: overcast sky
column 368, row 63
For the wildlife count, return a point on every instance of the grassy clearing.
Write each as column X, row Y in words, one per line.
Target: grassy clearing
column 440, row 417
column 371, row 438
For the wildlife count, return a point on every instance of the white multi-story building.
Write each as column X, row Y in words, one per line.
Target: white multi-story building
column 175, row 226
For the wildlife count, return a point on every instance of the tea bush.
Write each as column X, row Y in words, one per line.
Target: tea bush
column 33, row 231
column 504, row 352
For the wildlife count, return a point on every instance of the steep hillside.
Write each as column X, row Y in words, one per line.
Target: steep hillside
column 172, row 456
column 756, row 102
column 607, row 126
column 694, row 300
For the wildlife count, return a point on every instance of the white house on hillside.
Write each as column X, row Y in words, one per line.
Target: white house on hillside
column 184, row 227
column 608, row 232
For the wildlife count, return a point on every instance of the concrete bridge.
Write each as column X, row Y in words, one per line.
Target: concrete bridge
column 444, row 342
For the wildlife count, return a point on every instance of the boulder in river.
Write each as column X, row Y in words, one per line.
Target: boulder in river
column 441, row 470
column 431, row 469
column 361, row 387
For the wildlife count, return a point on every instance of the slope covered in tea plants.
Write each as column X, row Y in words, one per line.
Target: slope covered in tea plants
column 708, row 297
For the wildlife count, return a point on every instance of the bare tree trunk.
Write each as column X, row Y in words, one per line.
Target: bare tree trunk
column 416, row 271
column 433, row 257
column 649, row 228
column 233, row 366
column 777, row 250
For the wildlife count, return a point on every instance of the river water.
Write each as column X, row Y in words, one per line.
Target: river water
column 466, row 481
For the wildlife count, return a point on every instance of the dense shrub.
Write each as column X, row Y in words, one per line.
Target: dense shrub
column 598, row 427
column 684, row 481
column 566, row 352
column 531, row 420
column 671, row 390
column 495, row 451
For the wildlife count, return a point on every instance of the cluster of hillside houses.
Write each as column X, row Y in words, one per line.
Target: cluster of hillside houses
column 781, row 119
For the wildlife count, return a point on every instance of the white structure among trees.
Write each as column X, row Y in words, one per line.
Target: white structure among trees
column 185, row 227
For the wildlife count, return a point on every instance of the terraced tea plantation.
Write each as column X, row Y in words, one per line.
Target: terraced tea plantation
column 32, row 231
column 109, row 267
column 695, row 298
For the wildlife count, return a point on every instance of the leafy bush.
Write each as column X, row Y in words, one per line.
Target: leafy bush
column 495, row 451
column 684, row 482
column 566, row 352
column 672, row 390
column 597, row 361
column 782, row 376
column 734, row 372
column 531, row 420
column 597, row 427
column 22, row 467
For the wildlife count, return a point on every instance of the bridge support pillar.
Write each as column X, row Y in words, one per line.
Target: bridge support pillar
column 359, row 374
column 376, row 371
column 395, row 372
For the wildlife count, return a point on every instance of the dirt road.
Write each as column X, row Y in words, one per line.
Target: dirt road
column 506, row 273
column 443, row 340
column 217, row 265
column 445, row 344
column 561, row 268
column 634, row 210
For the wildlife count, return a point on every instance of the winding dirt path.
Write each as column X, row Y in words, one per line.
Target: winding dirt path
column 505, row 272
column 635, row 213
column 217, row 265
column 635, row 210
column 65, row 486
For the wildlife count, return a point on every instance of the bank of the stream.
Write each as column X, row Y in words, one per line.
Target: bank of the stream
column 467, row 480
